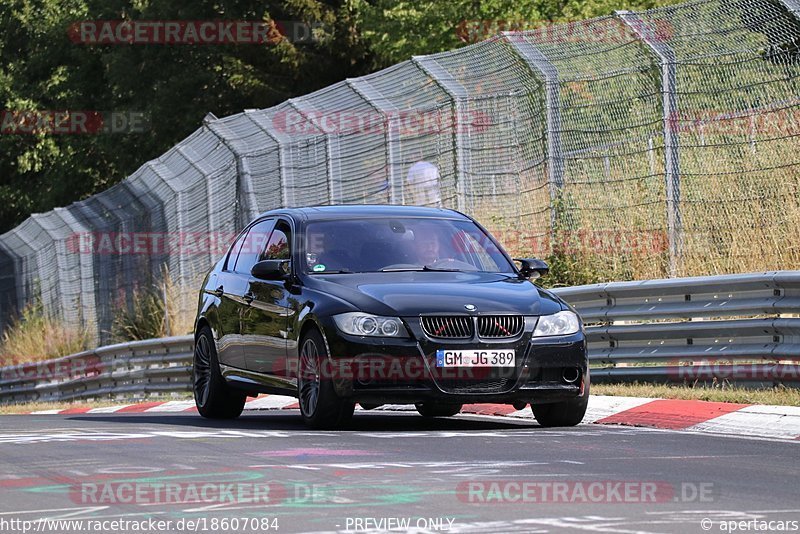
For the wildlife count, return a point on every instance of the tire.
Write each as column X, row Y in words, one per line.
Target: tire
column 320, row 406
column 212, row 396
column 567, row 413
column 433, row 409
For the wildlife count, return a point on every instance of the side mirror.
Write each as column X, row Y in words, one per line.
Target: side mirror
column 532, row 268
column 271, row 270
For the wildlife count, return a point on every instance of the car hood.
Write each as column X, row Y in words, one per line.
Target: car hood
column 415, row 293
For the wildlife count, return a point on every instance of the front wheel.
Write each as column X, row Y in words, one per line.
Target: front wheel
column 320, row 406
column 212, row 396
column 567, row 413
column 428, row 409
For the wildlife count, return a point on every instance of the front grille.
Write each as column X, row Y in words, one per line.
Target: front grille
column 454, row 327
column 500, row 326
column 462, row 327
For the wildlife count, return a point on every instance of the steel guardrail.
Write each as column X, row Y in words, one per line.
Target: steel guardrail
column 133, row 370
column 743, row 329
column 739, row 328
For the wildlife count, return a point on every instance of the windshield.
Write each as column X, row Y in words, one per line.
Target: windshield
column 401, row 244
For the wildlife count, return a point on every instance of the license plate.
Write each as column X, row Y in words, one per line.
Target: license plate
column 475, row 358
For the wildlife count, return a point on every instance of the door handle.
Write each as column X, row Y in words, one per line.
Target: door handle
column 249, row 297
column 218, row 292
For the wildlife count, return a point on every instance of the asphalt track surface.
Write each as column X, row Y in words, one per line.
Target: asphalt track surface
column 388, row 470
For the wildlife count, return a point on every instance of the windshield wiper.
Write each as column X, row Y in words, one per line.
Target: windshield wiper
column 332, row 271
column 441, row 269
column 419, row 269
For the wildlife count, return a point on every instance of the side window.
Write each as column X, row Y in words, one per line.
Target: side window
column 230, row 261
column 252, row 246
column 278, row 246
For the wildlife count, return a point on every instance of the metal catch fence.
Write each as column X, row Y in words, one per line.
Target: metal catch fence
column 657, row 143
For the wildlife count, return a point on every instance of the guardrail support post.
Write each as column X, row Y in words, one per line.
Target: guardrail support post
column 667, row 61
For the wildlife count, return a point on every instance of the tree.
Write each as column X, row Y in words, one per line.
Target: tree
column 175, row 86
column 396, row 30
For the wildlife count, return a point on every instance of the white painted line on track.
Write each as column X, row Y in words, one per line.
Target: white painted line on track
column 109, row 409
column 171, row 406
column 270, row 402
column 602, row 406
column 756, row 421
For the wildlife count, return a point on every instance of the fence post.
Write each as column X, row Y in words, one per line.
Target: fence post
column 545, row 70
column 331, row 149
column 279, row 140
column 244, row 186
column 162, row 172
column 793, row 6
column 385, row 107
column 667, row 61
column 458, row 94
column 88, row 296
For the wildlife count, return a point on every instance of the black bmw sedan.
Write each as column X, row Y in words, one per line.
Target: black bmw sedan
column 339, row 305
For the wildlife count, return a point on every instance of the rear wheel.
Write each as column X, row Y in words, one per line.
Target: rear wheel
column 320, row 406
column 213, row 397
column 567, row 413
column 435, row 409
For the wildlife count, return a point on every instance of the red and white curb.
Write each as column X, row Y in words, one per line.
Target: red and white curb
column 781, row 422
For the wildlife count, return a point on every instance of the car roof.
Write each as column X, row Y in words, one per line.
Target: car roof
column 312, row 213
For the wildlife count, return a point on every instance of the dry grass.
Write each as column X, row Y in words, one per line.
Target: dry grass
column 163, row 309
column 35, row 336
column 779, row 396
column 739, row 187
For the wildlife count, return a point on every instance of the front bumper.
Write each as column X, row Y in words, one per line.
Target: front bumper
column 403, row 371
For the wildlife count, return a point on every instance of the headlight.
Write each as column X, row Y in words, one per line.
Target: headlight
column 562, row 323
column 364, row 324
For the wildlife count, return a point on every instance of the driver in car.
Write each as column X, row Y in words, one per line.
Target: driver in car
column 428, row 247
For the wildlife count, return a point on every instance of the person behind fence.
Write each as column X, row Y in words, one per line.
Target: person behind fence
column 422, row 185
